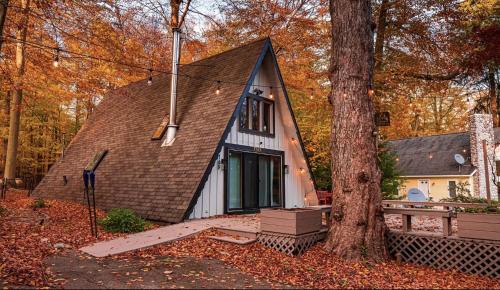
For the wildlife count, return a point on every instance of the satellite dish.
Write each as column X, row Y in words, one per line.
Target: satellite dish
column 459, row 159
column 415, row 194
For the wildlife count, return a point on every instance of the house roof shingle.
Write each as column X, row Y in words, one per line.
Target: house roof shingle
column 157, row 182
column 413, row 154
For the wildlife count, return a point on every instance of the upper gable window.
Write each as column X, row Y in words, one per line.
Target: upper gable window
column 257, row 115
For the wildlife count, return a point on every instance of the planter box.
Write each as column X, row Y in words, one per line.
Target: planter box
column 297, row 221
column 479, row 226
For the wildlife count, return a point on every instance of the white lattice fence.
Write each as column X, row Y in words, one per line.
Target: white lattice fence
column 479, row 257
column 289, row 244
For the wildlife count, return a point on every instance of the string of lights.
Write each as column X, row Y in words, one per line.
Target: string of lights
column 430, row 154
column 59, row 51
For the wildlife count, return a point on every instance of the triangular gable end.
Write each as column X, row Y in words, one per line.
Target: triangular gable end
column 267, row 57
column 289, row 105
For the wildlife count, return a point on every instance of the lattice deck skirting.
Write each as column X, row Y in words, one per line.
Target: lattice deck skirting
column 481, row 257
column 290, row 244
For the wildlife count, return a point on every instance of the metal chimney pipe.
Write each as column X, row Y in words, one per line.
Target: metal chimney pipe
column 176, row 54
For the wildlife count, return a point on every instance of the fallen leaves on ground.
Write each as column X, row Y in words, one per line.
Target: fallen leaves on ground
column 316, row 268
column 28, row 236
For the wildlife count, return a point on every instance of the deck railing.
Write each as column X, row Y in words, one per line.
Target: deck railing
column 444, row 205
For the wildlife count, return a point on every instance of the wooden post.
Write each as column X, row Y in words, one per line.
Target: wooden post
column 446, row 226
column 406, row 223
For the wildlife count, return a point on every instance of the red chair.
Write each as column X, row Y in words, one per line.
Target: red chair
column 324, row 197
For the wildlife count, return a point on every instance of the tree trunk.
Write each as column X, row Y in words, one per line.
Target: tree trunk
column 90, row 107
column 380, row 39
column 493, row 95
column 4, row 4
column 357, row 226
column 5, row 124
column 17, row 98
column 77, row 114
column 174, row 13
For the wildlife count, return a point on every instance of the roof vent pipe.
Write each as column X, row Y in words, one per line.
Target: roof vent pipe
column 176, row 54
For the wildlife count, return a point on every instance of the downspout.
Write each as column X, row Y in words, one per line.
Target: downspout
column 176, row 54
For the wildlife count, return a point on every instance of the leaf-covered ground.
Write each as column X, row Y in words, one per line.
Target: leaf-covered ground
column 316, row 268
column 78, row 271
column 28, row 237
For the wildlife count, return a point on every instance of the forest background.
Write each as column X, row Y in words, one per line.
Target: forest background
column 436, row 60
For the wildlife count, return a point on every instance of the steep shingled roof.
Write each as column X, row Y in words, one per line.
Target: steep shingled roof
column 414, row 155
column 157, row 182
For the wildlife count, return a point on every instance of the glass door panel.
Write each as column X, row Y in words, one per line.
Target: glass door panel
column 264, row 182
column 275, row 174
column 234, row 178
column 250, row 178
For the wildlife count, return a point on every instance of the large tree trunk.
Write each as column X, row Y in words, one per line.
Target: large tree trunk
column 357, row 225
column 4, row 4
column 17, row 98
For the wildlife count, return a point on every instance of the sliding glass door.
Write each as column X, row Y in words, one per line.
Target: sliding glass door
column 254, row 181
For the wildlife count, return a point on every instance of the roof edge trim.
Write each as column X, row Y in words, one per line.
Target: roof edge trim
column 444, row 175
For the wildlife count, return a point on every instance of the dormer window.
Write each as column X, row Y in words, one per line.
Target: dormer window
column 257, row 115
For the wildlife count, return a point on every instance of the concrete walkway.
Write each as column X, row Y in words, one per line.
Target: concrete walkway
column 168, row 234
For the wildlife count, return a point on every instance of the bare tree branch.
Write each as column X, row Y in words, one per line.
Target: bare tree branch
column 196, row 11
column 435, row 77
column 184, row 12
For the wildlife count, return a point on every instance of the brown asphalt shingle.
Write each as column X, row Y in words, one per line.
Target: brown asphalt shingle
column 414, row 153
column 157, row 182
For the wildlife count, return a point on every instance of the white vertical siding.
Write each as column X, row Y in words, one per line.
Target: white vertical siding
column 297, row 184
column 211, row 200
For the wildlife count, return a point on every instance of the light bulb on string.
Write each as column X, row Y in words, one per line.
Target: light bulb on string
column 56, row 58
column 218, row 88
column 271, row 93
column 371, row 92
column 312, row 94
column 150, row 79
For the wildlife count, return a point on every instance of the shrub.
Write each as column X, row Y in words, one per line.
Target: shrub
column 39, row 203
column 122, row 220
column 3, row 210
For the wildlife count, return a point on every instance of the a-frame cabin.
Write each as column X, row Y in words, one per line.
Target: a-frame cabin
column 237, row 148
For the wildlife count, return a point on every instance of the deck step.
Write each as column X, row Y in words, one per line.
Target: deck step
column 233, row 239
column 249, row 234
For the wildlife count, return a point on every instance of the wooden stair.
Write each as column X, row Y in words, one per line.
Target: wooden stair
column 245, row 233
column 236, row 235
column 233, row 239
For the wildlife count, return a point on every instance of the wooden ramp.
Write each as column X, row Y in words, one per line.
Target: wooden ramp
column 167, row 234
